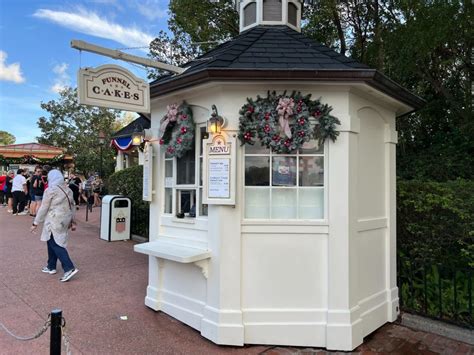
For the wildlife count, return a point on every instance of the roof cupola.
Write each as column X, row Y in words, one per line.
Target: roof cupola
column 270, row 12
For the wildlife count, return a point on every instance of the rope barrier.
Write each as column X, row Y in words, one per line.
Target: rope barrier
column 47, row 324
column 43, row 329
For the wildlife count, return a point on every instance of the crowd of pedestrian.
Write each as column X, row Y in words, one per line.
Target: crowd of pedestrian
column 51, row 200
column 21, row 192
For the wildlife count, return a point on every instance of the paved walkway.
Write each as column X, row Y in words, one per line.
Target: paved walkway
column 111, row 283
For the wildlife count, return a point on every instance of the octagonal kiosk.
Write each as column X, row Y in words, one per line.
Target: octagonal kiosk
column 259, row 244
column 115, row 218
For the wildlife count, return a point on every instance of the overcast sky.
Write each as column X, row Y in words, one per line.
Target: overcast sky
column 36, row 60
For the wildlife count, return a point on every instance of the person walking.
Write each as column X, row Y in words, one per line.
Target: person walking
column 57, row 214
column 37, row 188
column 74, row 185
column 3, row 188
column 97, row 185
column 8, row 192
column 19, row 192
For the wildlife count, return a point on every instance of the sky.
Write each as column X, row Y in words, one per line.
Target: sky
column 36, row 60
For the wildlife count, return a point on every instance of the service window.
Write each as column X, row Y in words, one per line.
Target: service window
column 183, row 180
column 284, row 186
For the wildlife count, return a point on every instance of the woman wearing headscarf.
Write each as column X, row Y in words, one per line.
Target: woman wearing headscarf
column 57, row 213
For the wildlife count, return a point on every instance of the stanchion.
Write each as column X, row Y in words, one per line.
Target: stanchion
column 55, row 340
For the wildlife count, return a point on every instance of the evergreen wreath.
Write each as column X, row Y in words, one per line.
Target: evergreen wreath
column 283, row 123
column 177, row 130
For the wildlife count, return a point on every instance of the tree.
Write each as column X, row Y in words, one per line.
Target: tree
column 6, row 138
column 424, row 45
column 196, row 27
column 76, row 127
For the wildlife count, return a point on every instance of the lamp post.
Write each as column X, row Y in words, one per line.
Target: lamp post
column 101, row 143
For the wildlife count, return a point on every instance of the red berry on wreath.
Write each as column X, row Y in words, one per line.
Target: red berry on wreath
column 179, row 141
column 317, row 113
column 287, row 143
column 184, row 117
column 250, row 109
column 184, row 130
column 161, row 142
column 301, row 121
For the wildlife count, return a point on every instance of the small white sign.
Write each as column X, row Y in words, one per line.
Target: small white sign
column 219, row 170
column 147, row 172
column 112, row 86
column 219, row 178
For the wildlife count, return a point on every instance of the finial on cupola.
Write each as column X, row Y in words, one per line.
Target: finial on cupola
column 270, row 12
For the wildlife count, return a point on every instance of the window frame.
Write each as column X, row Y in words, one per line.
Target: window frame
column 175, row 187
column 270, row 187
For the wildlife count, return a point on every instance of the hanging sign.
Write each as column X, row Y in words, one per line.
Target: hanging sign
column 220, row 170
column 147, row 171
column 112, row 86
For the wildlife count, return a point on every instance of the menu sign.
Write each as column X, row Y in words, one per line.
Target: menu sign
column 219, row 172
column 219, row 178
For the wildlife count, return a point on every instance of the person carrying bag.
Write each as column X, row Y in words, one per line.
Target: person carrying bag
column 57, row 214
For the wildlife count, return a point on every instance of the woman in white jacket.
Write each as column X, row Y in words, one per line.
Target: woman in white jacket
column 57, row 213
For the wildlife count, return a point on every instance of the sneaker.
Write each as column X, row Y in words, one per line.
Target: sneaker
column 48, row 271
column 24, row 213
column 68, row 275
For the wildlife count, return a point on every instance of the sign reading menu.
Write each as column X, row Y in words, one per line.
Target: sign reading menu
column 219, row 171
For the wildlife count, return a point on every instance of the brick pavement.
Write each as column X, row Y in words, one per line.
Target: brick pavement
column 111, row 283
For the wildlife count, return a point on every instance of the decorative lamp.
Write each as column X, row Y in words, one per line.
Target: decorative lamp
column 101, row 137
column 216, row 122
column 137, row 137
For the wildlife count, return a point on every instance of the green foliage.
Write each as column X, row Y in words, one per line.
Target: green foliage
column 196, row 26
column 129, row 182
column 6, row 138
column 76, row 127
column 435, row 222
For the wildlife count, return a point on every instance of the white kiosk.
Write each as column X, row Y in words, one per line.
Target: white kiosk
column 251, row 246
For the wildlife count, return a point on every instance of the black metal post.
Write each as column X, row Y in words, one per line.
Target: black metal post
column 101, row 171
column 55, row 339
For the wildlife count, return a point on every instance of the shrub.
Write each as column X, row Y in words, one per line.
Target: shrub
column 129, row 182
column 435, row 221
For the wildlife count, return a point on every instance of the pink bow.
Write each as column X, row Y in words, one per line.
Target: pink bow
column 285, row 110
column 171, row 116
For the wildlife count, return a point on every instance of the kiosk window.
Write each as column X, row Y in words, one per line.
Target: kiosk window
column 284, row 186
column 183, row 180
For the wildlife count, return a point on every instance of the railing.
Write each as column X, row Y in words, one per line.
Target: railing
column 436, row 291
column 140, row 221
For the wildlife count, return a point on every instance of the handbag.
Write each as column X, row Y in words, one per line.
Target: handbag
column 72, row 224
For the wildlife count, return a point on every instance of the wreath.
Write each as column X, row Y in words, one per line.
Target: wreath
column 283, row 123
column 177, row 130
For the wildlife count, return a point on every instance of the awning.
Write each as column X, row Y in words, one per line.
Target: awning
column 122, row 143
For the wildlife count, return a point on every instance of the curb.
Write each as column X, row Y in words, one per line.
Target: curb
column 433, row 326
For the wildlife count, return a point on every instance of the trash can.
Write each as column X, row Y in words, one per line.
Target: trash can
column 115, row 218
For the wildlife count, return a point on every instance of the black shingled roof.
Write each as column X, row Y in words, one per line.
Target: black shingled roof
column 139, row 124
column 277, row 52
